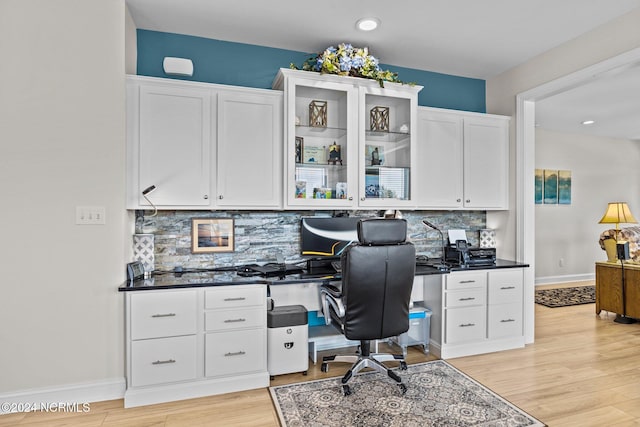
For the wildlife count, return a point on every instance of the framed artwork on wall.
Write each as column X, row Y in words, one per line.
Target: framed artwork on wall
column 552, row 187
column 211, row 235
column 539, row 178
column 564, row 187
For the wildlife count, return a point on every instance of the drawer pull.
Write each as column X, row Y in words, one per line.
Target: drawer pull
column 507, row 320
column 163, row 362
column 466, row 299
column 237, row 353
column 164, row 315
column 507, row 287
column 235, row 299
column 235, row 320
column 466, row 325
column 467, row 281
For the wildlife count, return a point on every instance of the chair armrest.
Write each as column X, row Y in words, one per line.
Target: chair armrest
column 331, row 296
column 332, row 290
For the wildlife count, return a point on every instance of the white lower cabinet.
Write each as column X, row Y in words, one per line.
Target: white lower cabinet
column 163, row 360
column 182, row 344
column 230, row 353
column 475, row 312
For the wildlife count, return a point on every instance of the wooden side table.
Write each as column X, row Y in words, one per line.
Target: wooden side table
column 609, row 288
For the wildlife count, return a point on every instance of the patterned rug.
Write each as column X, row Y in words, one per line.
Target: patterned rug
column 563, row 297
column 438, row 395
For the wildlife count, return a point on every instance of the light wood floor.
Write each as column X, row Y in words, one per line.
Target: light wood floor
column 583, row 370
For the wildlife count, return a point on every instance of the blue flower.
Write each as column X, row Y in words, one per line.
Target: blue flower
column 357, row 62
column 345, row 63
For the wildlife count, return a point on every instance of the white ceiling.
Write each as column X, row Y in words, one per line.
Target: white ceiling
column 470, row 38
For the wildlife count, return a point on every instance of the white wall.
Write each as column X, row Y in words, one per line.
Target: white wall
column 62, row 141
column 616, row 37
column 603, row 170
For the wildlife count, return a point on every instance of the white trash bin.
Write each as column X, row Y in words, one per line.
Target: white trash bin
column 287, row 340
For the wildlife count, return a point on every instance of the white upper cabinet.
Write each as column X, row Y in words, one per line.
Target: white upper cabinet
column 203, row 146
column 486, row 163
column 249, row 172
column 169, row 145
column 348, row 142
column 462, row 160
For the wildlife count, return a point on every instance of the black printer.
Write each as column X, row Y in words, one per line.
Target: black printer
column 464, row 256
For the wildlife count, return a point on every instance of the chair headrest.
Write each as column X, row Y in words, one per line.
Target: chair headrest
column 379, row 231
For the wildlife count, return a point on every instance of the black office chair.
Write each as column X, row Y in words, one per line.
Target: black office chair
column 373, row 304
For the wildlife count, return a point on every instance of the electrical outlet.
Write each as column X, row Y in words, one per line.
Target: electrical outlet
column 90, row 215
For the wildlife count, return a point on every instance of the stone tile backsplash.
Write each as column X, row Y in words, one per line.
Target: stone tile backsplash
column 260, row 235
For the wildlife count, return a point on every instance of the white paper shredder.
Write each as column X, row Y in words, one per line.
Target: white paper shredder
column 287, row 340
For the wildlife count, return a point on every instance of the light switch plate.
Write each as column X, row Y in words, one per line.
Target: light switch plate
column 90, row 215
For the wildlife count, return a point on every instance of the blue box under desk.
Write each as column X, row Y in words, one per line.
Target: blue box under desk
column 419, row 330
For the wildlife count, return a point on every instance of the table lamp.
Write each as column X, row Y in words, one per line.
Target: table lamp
column 617, row 213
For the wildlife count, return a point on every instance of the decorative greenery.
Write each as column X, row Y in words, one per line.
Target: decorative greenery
column 346, row 60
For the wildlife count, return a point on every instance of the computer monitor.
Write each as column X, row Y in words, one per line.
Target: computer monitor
column 327, row 237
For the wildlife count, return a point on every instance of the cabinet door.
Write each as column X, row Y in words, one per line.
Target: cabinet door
column 439, row 159
column 486, row 167
column 320, row 120
column 387, row 147
column 249, row 150
column 174, row 136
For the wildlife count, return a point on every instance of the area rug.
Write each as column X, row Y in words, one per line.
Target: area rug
column 437, row 395
column 563, row 297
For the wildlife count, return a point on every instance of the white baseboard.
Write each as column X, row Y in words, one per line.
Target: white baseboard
column 68, row 393
column 564, row 279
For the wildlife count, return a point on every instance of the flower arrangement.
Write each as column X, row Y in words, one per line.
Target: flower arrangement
column 346, row 60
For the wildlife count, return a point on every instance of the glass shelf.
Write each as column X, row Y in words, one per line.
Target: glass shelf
column 314, row 164
column 323, row 132
column 373, row 135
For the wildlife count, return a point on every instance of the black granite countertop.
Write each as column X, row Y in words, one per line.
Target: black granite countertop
column 171, row 280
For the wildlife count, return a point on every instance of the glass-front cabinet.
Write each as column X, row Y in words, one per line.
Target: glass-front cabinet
column 348, row 142
column 387, row 165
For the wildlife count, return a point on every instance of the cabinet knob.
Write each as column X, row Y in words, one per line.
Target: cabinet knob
column 220, row 197
column 467, row 201
column 363, row 199
column 350, row 197
column 458, row 200
column 206, row 196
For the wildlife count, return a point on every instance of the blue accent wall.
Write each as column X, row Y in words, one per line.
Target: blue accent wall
column 239, row 64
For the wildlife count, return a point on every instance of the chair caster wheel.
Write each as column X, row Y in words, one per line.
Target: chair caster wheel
column 304, row 373
column 403, row 388
column 403, row 366
column 346, row 390
column 324, row 367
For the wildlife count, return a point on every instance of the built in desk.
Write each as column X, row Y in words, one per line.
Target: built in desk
column 609, row 288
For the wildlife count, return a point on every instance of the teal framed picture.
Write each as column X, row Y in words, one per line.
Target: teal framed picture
column 564, row 187
column 550, row 195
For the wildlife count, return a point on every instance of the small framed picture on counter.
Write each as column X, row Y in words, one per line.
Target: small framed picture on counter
column 211, row 235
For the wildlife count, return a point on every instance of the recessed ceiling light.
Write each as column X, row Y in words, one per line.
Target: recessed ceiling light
column 588, row 122
column 367, row 24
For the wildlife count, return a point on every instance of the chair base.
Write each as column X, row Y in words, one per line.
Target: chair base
column 362, row 361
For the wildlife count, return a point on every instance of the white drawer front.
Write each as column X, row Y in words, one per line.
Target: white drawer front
column 163, row 360
column 236, row 296
column 465, row 297
column 162, row 314
column 222, row 320
column 505, row 320
column 465, row 324
column 229, row 353
column 505, row 286
column 464, row 280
